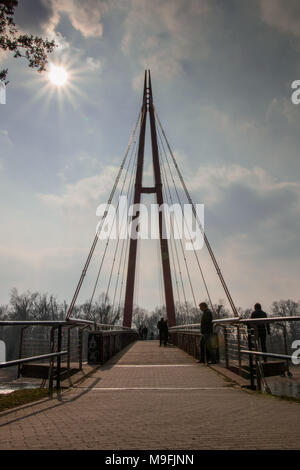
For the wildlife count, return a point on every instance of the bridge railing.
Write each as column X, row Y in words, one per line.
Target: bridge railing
column 187, row 337
column 41, row 341
column 102, row 345
column 238, row 346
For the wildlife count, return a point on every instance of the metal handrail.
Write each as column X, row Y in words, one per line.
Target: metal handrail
column 32, row 322
column 15, row 362
column 260, row 353
column 69, row 322
column 257, row 320
column 38, row 358
column 185, row 326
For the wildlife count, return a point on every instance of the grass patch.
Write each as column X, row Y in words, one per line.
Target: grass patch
column 21, row 397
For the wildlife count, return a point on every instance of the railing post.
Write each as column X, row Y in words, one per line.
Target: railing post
column 239, row 349
column 20, row 350
column 250, row 360
column 69, row 349
column 102, row 349
column 58, row 361
column 80, row 334
column 226, row 347
column 50, row 374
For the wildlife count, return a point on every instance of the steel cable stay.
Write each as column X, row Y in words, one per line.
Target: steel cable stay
column 175, row 273
column 173, row 261
column 125, row 217
column 186, row 225
column 131, row 196
column 180, row 240
column 172, row 241
column 109, row 236
column 172, row 238
column 160, row 280
column 123, row 272
column 219, row 273
column 170, row 202
column 174, row 249
column 137, row 277
column 92, row 249
column 121, row 257
column 171, row 246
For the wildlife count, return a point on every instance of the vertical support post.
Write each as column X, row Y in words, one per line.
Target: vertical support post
column 102, row 349
column 239, row 349
column 170, row 307
column 80, row 333
column 128, row 306
column 58, row 368
column 251, row 370
column 168, row 289
column 20, row 350
column 226, row 347
column 258, row 370
column 69, row 349
column 286, row 349
column 51, row 362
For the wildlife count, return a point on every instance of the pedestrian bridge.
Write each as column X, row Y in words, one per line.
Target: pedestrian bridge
column 151, row 397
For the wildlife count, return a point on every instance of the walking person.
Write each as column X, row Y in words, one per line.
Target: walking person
column 206, row 350
column 262, row 329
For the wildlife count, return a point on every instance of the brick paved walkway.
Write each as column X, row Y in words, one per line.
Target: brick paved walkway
column 153, row 398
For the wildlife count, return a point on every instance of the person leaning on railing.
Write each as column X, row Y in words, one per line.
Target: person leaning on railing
column 206, row 350
column 262, row 329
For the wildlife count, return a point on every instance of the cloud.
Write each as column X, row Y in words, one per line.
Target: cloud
column 34, row 15
column 284, row 114
column 85, row 17
column 93, row 64
column 162, row 35
column 6, row 144
column 283, row 15
column 87, row 192
column 248, row 202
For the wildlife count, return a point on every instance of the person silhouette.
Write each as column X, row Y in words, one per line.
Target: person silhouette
column 206, row 351
column 262, row 329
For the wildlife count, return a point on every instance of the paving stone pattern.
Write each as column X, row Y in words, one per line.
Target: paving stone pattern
column 151, row 397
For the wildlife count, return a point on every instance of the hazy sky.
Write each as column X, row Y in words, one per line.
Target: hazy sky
column 221, row 75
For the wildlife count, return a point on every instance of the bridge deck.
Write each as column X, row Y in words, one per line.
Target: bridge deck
column 149, row 397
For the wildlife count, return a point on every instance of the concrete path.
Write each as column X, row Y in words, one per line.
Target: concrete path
column 149, row 397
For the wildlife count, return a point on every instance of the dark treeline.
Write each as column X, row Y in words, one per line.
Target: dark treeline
column 42, row 306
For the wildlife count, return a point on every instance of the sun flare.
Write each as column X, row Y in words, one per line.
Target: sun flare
column 58, row 75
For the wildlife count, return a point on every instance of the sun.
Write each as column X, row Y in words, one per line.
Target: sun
column 58, row 75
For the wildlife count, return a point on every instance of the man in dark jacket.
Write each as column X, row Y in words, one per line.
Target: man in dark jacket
column 162, row 325
column 262, row 329
column 206, row 351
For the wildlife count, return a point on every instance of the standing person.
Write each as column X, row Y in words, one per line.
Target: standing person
column 262, row 329
column 145, row 332
column 141, row 331
column 206, row 352
column 163, row 331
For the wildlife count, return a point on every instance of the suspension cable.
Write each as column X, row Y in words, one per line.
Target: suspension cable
column 109, row 238
column 226, row 290
column 125, row 238
column 195, row 252
column 172, row 250
column 124, row 216
column 104, row 217
column 171, row 224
